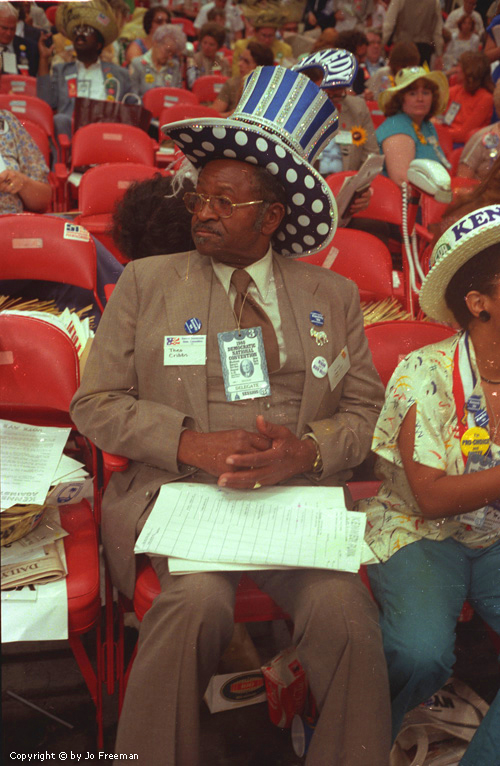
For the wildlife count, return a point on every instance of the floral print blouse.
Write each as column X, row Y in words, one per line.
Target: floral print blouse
column 18, row 151
column 394, row 519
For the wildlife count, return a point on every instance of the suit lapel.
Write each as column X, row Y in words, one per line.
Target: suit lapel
column 306, row 295
column 190, row 297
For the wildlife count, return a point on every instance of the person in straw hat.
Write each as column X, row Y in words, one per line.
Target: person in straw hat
column 305, row 416
column 266, row 21
column 91, row 26
column 435, row 524
column 408, row 133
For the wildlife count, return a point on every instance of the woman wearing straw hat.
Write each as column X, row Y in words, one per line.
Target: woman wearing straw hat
column 408, row 133
column 435, row 524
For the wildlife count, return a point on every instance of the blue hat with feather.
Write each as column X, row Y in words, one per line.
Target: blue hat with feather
column 281, row 123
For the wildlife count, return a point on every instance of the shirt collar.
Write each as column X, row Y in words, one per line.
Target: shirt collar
column 81, row 68
column 261, row 272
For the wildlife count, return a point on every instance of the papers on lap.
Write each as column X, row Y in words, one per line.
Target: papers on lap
column 276, row 526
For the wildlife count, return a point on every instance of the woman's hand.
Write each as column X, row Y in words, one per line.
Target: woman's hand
column 12, row 181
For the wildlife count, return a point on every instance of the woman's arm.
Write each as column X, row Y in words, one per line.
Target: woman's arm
column 399, row 151
column 35, row 195
column 132, row 52
column 465, row 171
column 437, row 493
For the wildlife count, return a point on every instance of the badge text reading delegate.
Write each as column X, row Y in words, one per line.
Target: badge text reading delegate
column 244, row 366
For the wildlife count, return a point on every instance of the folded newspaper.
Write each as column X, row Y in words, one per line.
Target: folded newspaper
column 46, row 565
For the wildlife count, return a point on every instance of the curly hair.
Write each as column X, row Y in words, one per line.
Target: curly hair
column 148, row 18
column 261, row 55
column 463, row 18
column 151, row 219
column 403, row 54
column 395, row 105
column 476, row 69
column 171, row 32
column 215, row 31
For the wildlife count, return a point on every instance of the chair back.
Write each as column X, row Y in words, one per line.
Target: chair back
column 39, row 136
column 18, row 84
column 361, row 257
column 208, row 87
column 158, row 99
column 40, row 371
column 386, row 202
column 390, row 342
column 30, row 108
column 42, row 247
column 103, row 186
column 376, row 113
column 111, row 142
column 432, row 211
column 186, row 112
column 187, row 26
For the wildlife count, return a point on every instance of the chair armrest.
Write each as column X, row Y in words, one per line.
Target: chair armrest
column 114, row 463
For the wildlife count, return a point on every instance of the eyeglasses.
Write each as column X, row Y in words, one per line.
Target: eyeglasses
column 83, row 29
column 222, row 206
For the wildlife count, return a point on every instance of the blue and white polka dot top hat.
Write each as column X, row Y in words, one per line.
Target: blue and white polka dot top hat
column 281, row 123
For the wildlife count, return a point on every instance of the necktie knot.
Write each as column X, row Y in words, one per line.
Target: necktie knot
column 241, row 279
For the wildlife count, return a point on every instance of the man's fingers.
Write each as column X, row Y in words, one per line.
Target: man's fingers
column 251, row 460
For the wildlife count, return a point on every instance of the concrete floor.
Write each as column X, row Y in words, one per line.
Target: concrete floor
column 46, row 674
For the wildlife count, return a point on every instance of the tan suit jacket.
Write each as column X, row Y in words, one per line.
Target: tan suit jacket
column 355, row 113
column 131, row 404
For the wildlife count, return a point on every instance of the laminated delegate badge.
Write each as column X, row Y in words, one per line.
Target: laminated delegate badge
column 244, row 366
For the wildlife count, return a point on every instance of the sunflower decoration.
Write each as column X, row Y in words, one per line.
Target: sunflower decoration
column 359, row 135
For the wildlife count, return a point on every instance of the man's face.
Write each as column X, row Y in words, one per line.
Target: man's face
column 336, row 96
column 7, row 29
column 469, row 5
column 237, row 240
column 265, row 36
column 86, row 40
column 374, row 49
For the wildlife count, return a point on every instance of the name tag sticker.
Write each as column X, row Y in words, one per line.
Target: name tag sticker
column 244, row 366
column 185, row 350
column 344, row 137
column 451, row 113
column 338, row 368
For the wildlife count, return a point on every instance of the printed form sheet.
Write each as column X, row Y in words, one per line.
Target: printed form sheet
column 278, row 526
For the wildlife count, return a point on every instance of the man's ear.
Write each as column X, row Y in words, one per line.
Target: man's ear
column 272, row 218
column 475, row 302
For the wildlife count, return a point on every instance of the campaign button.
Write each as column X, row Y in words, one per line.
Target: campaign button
column 317, row 318
column 475, row 440
column 192, row 325
column 319, row 367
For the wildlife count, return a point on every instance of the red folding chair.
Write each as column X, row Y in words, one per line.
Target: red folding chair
column 18, row 84
column 361, row 257
column 390, row 342
column 27, row 107
column 100, row 189
column 376, row 113
column 101, row 143
column 158, row 99
column 251, row 605
column 208, row 87
column 187, row 25
column 38, row 377
column 37, row 247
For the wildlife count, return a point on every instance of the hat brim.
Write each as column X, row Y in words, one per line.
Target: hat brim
column 87, row 13
column 310, row 219
column 436, row 77
column 432, row 292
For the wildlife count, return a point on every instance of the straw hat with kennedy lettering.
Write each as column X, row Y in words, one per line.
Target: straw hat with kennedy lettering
column 96, row 13
column 461, row 242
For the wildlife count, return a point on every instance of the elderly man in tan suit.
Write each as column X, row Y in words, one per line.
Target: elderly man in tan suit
column 311, row 423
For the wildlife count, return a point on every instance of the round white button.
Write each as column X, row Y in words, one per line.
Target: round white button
column 319, row 367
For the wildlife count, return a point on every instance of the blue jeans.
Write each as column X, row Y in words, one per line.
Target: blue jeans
column 421, row 590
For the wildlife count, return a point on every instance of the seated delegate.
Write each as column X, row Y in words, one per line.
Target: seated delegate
column 407, row 133
column 438, row 446
column 23, row 173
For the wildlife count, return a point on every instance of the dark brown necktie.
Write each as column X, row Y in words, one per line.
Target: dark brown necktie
column 250, row 314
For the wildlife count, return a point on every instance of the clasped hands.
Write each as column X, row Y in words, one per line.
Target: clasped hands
column 242, row 459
